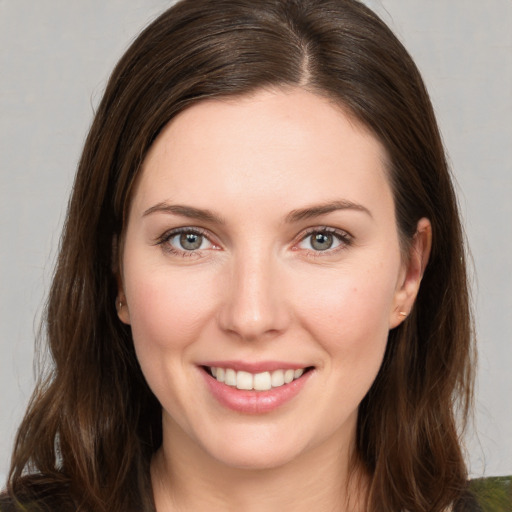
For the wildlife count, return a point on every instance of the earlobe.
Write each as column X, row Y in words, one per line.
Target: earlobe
column 122, row 309
column 412, row 274
column 121, row 306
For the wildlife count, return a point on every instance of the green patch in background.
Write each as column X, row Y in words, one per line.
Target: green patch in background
column 494, row 494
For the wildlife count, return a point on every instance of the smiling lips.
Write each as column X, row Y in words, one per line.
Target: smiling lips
column 254, row 389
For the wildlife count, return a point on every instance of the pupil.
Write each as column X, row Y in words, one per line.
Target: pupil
column 322, row 241
column 190, row 241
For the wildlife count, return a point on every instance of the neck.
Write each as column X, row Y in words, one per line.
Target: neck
column 185, row 478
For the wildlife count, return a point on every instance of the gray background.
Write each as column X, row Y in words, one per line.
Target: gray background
column 55, row 57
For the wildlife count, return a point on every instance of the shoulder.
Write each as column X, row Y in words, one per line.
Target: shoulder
column 35, row 494
column 467, row 502
column 8, row 504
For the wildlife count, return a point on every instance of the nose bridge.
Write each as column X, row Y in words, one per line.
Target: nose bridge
column 254, row 304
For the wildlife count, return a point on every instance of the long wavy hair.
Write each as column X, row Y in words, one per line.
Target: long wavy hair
column 93, row 424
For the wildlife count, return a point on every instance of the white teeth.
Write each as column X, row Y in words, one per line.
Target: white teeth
column 230, row 378
column 259, row 381
column 244, row 380
column 288, row 376
column 262, row 381
column 277, row 378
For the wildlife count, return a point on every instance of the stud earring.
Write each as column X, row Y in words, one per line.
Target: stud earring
column 120, row 304
column 402, row 313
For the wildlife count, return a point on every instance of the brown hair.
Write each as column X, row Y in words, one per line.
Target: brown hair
column 93, row 423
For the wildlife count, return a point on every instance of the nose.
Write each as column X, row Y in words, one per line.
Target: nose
column 255, row 303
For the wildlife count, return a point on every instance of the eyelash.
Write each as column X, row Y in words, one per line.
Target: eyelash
column 344, row 239
column 169, row 235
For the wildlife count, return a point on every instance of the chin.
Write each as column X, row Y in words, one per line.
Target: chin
column 255, row 459
column 258, row 448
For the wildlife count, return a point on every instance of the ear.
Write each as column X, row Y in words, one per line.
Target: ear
column 411, row 273
column 122, row 307
column 121, row 304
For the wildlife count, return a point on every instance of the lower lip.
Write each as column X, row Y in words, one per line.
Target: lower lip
column 254, row 402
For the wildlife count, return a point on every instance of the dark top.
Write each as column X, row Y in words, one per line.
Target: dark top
column 482, row 495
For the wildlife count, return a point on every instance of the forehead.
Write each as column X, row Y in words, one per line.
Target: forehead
column 283, row 145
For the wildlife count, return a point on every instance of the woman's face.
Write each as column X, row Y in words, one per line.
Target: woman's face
column 261, row 239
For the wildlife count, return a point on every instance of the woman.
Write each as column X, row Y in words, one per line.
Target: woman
column 260, row 300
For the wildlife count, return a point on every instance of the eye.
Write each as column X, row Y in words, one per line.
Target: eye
column 186, row 240
column 324, row 239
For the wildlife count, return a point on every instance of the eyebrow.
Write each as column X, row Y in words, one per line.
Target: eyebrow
column 323, row 209
column 294, row 216
column 185, row 211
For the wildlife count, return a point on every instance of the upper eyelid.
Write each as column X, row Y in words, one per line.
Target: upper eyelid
column 167, row 235
column 343, row 233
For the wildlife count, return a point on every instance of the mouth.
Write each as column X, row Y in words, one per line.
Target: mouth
column 261, row 381
column 256, row 387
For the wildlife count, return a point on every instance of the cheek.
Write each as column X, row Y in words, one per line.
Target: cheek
column 166, row 308
column 348, row 318
column 167, row 315
column 347, row 312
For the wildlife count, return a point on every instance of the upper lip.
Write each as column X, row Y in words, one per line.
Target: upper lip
column 255, row 366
